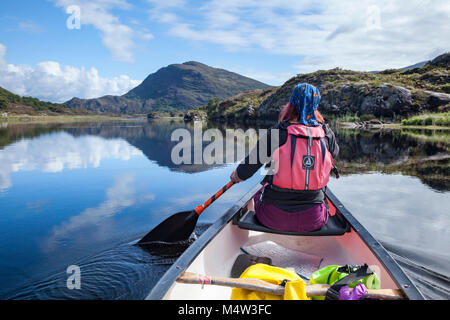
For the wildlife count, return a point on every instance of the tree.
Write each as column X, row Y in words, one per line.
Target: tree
column 213, row 105
column 3, row 103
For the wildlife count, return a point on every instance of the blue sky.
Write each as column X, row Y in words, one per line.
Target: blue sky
column 120, row 42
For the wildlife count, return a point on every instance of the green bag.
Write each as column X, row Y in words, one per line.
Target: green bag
column 331, row 274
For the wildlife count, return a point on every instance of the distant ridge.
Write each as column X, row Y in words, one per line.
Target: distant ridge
column 175, row 87
column 414, row 66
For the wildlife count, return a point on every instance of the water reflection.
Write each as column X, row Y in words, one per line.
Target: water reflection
column 421, row 153
column 58, row 151
column 118, row 197
column 395, row 151
column 154, row 140
column 387, row 202
column 70, row 193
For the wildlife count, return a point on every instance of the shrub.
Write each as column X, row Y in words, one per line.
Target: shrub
column 348, row 117
column 212, row 106
column 366, row 117
column 446, row 88
column 3, row 103
column 438, row 119
column 417, row 121
column 428, row 121
column 445, row 122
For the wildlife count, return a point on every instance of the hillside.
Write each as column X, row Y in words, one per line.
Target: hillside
column 13, row 103
column 175, row 87
column 239, row 107
column 390, row 93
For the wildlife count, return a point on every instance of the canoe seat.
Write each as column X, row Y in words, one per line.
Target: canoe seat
column 335, row 226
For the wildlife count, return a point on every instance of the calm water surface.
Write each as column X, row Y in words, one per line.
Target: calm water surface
column 83, row 194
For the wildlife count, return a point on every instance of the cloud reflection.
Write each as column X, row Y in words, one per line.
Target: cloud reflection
column 118, row 197
column 59, row 151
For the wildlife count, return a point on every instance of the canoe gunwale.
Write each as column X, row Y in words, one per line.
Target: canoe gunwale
column 183, row 262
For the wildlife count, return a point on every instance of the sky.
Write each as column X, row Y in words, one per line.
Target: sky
column 58, row 49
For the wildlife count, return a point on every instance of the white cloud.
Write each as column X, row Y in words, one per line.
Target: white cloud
column 270, row 78
column 116, row 36
column 160, row 10
column 30, row 26
column 56, row 152
column 50, row 81
column 363, row 35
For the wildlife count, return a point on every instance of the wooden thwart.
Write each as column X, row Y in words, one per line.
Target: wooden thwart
column 263, row 286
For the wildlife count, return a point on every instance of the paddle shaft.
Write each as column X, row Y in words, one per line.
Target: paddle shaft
column 216, row 196
column 179, row 227
column 263, row 286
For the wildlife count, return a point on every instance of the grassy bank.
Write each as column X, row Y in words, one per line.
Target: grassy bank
column 429, row 119
column 415, row 127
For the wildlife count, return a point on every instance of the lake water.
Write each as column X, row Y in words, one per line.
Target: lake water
column 83, row 194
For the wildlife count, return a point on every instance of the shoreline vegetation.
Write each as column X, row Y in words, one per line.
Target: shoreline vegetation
column 427, row 121
column 23, row 119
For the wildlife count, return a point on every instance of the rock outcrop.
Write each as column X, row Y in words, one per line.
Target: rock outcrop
column 384, row 94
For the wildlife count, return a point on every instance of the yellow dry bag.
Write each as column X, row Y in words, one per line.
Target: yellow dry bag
column 294, row 287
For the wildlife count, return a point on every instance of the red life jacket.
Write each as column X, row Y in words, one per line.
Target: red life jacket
column 303, row 162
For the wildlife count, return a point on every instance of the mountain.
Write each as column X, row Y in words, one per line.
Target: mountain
column 177, row 86
column 414, row 66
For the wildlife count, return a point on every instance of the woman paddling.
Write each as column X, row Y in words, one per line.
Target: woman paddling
column 292, row 199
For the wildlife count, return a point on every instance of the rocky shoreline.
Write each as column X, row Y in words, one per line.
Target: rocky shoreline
column 364, row 125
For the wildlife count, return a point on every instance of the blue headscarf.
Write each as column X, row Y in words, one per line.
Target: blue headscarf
column 306, row 98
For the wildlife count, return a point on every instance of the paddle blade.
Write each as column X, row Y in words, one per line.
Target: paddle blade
column 177, row 227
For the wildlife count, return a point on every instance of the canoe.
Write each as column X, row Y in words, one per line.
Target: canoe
column 343, row 241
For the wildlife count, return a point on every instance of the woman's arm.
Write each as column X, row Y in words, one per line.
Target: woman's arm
column 330, row 138
column 249, row 166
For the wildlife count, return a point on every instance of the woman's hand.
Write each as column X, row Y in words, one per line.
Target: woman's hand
column 235, row 178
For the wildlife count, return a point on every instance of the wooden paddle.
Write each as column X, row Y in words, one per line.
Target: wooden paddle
column 263, row 286
column 180, row 226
